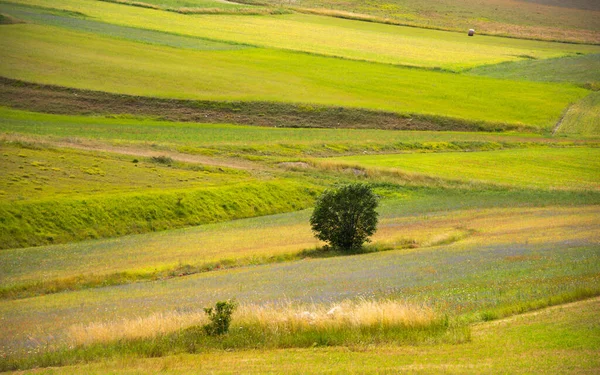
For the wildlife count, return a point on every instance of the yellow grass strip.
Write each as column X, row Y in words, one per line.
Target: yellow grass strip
column 288, row 318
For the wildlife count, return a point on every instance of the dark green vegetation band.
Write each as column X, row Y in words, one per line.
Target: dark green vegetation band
column 62, row 100
column 59, row 221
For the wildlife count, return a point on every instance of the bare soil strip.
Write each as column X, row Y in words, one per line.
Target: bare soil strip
column 63, row 100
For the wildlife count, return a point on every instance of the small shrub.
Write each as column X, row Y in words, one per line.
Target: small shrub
column 162, row 159
column 220, row 317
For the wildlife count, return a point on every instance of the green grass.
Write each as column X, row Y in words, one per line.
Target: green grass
column 60, row 220
column 556, row 340
column 583, row 70
column 49, row 17
column 124, row 67
column 34, row 173
column 583, row 118
column 56, row 195
column 546, row 168
column 253, row 140
column 331, row 37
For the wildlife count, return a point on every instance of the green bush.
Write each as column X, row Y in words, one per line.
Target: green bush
column 220, row 317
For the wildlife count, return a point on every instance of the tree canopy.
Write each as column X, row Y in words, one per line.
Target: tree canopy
column 345, row 217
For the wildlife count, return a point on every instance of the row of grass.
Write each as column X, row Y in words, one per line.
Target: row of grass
column 329, row 36
column 544, row 168
column 551, row 20
column 79, row 23
column 582, row 70
column 267, row 328
column 59, row 220
column 62, row 100
column 582, row 119
column 203, row 7
column 211, row 139
column 104, row 64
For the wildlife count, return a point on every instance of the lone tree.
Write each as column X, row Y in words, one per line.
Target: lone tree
column 345, row 217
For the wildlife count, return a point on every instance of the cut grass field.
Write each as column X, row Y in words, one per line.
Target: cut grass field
column 545, row 168
column 330, row 36
column 84, row 24
column 582, row 118
column 117, row 66
column 564, row 20
column 561, row 339
column 64, row 100
column 583, row 70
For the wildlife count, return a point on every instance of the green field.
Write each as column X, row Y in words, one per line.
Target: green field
column 125, row 67
column 583, row 118
column 575, row 168
column 213, row 139
column 85, row 24
column 582, row 70
column 330, row 36
column 159, row 156
column 454, row 278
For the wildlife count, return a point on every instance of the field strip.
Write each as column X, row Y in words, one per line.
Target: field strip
column 481, row 327
column 93, row 145
column 271, row 239
column 47, row 17
column 570, row 168
column 63, row 100
column 329, row 36
column 562, row 340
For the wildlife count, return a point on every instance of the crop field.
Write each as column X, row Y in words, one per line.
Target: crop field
column 329, row 36
column 125, row 67
column 212, row 139
column 160, row 156
column 538, row 19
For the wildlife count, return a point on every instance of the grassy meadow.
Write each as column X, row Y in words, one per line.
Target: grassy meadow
column 555, row 168
column 158, row 156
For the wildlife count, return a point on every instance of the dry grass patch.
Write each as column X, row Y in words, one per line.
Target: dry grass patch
column 271, row 319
